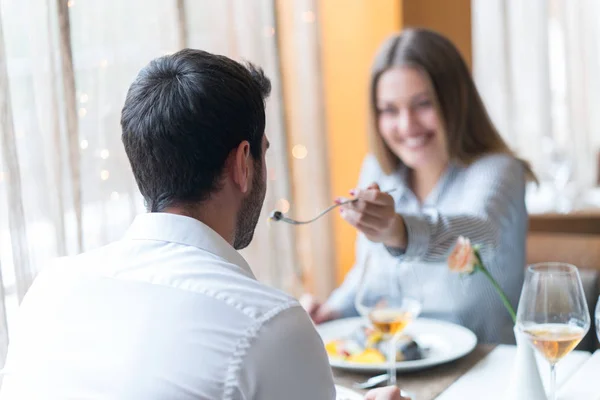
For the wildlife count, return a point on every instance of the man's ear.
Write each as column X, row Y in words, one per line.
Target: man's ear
column 240, row 166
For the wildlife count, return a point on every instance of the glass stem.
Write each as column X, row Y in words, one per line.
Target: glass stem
column 392, row 361
column 552, row 393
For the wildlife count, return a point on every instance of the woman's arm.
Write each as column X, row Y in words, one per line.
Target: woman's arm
column 493, row 196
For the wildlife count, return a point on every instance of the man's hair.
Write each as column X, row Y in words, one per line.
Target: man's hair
column 183, row 115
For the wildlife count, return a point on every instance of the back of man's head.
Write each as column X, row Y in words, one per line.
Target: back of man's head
column 183, row 115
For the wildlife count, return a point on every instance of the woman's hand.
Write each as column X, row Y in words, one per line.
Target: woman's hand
column 318, row 312
column 385, row 393
column 374, row 214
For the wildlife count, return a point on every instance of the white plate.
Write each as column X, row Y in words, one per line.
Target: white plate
column 445, row 342
column 343, row 393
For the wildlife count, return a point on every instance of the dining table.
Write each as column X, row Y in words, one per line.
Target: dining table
column 484, row 374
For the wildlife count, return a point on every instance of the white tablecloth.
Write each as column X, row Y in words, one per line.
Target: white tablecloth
column 585, row 383
column 488, row 378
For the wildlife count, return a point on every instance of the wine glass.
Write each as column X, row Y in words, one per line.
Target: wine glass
column 389, row 295
column 553, row 313
column 597, row 318
column 562, row 171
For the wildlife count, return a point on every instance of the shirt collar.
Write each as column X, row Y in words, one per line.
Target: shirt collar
column 401, row 174
column 398, row 180
column 187, row 231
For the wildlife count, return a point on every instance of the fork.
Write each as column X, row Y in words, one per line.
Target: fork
column 371, row 382
column 279, row 216
column 376, row 381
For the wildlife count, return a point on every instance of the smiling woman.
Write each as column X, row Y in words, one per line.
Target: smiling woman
column 431, row 137
column 409, row 121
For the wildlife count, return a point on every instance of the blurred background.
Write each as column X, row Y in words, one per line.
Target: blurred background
column 65, row 67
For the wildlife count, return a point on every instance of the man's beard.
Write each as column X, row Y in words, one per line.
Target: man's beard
column 250, row 210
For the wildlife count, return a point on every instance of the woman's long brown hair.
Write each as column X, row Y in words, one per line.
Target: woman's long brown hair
column 470, row 131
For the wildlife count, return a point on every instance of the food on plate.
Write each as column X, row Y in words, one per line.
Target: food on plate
column 367, row 346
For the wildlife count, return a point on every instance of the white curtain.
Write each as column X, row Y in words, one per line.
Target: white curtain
column 246, row 31
column 536, row 64
column 65, row 182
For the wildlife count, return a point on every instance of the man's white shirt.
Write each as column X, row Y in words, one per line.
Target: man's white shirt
column 171, row 311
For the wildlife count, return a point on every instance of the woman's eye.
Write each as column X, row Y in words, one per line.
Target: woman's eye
column 387, row 111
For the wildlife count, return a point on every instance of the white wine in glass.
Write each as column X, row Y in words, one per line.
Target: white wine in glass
column 391, row 321
column 553, row 313
column 554, row 341
column 389, row 295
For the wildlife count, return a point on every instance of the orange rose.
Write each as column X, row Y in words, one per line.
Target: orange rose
column 463, row 258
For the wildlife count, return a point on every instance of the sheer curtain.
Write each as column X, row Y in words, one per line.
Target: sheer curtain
column 536, row 63
column 65, row 182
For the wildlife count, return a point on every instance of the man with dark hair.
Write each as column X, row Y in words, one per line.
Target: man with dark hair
column 173, row 311
column 188, row 121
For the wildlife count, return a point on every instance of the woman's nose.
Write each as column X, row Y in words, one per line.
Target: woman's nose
column 405, row 121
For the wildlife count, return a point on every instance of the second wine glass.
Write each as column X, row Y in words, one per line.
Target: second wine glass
column 553, row 312
column 597, row 318
column 389, row 295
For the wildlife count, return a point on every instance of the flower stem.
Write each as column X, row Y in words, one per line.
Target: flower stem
column 503, row 297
